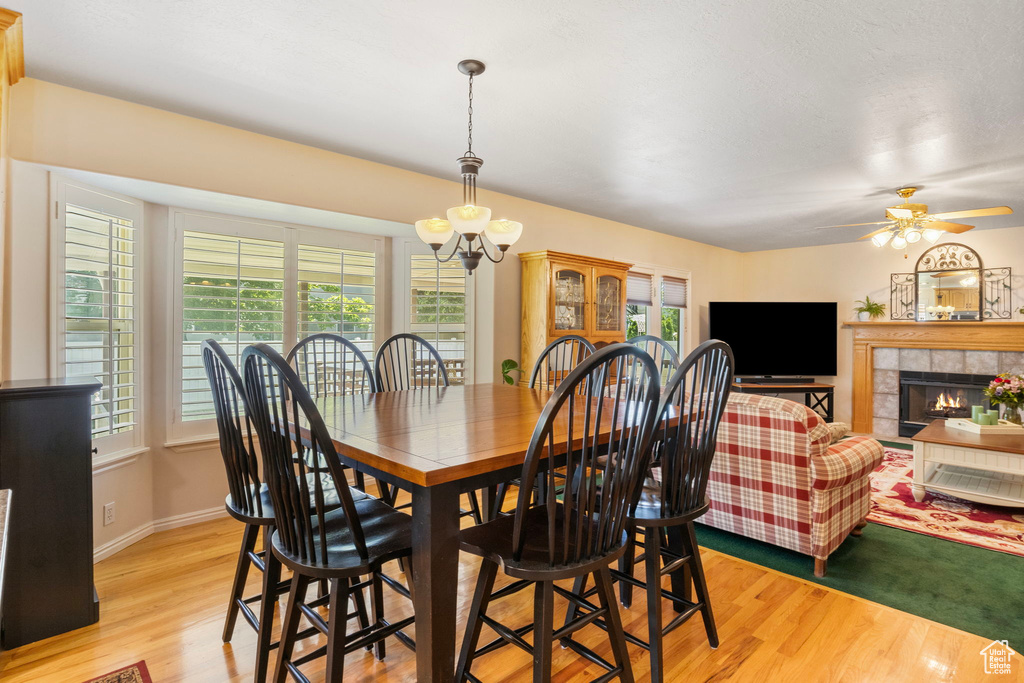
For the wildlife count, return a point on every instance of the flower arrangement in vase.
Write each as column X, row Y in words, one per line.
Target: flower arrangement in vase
column 1008, row 390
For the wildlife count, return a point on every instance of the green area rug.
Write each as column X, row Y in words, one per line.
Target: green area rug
column 976, row 590
column 973, row 589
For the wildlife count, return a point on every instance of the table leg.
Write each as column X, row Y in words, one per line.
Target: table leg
column 435, row 561
column 487, row 496
column 917, row 488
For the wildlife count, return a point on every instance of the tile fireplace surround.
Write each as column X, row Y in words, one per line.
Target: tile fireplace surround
column 882, row 349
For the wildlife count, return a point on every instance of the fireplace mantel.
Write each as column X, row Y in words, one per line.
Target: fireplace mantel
column 986, row 335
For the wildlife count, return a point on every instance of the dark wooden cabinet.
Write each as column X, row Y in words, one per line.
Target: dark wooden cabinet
column 46, row 461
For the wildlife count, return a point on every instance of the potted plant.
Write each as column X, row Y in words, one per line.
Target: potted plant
column 868, row 309
column 509, row 366
column 1007, row 390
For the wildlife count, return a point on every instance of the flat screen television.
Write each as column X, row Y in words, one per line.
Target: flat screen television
column 778, row 338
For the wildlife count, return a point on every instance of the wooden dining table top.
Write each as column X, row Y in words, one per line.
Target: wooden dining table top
column 431, row 436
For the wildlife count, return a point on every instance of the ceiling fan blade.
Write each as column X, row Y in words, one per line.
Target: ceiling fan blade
column 896, row 212
column 970, row 213
column 876, row 232
column 955, row 228
column 849, row 225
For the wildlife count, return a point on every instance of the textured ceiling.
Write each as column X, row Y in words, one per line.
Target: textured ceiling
column 744, row 124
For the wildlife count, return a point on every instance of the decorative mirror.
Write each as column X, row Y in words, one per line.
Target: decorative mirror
column 949, row 283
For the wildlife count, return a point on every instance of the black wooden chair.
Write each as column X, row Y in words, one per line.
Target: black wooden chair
column 667, row 508
column 581, row 530
column 407, row 361
column 249, row 502
column 341, row 545
column 330, row 365
column 665, row 357
column 556, row 361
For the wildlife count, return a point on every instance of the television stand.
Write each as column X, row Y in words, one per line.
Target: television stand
column 818, row 397
column 769, row 379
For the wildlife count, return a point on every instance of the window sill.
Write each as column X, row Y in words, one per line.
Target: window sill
column 193, row 444
column 112, row 461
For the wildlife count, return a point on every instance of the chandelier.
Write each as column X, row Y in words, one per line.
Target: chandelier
column 470, row 220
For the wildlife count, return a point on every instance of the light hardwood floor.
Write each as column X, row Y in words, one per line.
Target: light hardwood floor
column 163, row 600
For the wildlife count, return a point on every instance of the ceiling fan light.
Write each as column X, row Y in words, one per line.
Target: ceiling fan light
column 931, row 234
column 899, row 242
column 913, row 236
column 434, row 231
column 469, row 219
column 503, row 233
column 881, row 238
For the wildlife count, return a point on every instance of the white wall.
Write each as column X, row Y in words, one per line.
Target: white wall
column 130, row 483
column 849, row 272
column 62, row 127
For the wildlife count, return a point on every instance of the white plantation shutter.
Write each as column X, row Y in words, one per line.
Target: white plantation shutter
column 337, row 293
column 673, row 292
column 639, row 289
column 99, row 313
column 233, row 292
column 438, row 309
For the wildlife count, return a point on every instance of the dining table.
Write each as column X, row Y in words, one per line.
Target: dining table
column 437, row 443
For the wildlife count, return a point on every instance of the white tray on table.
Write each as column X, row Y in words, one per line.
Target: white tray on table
column 966, row 425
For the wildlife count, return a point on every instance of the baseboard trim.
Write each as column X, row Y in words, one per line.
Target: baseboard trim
column 135, row 535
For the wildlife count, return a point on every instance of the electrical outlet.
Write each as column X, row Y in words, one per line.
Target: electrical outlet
column 108, row 514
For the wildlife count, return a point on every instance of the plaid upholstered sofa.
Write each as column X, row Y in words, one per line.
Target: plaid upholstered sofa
column 776, row 478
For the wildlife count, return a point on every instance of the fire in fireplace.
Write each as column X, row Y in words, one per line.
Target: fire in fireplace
column 947, row 405
column 927, row 396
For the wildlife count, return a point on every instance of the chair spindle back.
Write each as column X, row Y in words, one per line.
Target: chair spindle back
column 291, row 433
column 557, row 360
column 234, row 429
column 330, row 365
column 407, row 361
column 665, row 357
column 697, row 394
column 614, row 391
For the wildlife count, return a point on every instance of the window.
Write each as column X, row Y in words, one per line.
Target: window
column 336, row 293
column 639, row 295
column 673, row 305
column 438, row 310
column 241, row 281
column 233, row 292
column 96, row 252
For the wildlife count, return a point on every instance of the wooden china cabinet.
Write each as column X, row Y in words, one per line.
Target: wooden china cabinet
column 570, row 294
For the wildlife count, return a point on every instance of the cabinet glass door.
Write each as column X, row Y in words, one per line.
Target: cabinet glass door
column 570, row 297
column 608, row 311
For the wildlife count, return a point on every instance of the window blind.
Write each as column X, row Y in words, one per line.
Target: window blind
column 639, row 289
column 336, row 293
column 673, row 292
column 233, row 292
column 438, row 309
column 100, row 314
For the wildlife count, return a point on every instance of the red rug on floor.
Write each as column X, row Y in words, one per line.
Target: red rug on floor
column 940, row 515
column 136, row 673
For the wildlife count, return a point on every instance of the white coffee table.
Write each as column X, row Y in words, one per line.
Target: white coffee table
column 981, row 468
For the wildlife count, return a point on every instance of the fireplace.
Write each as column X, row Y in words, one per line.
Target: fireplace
column 927, row 396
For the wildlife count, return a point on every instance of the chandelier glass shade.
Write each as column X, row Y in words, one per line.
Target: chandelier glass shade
column 899, row 236
column 471, row 221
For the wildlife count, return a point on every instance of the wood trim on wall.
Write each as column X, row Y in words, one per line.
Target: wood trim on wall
column 967, row 336
column 12, row 70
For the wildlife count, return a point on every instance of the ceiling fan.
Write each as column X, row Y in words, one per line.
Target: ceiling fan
column 908, row 222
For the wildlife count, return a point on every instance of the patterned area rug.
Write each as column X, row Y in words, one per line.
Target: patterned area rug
column 136, row 673
column 940, row 515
